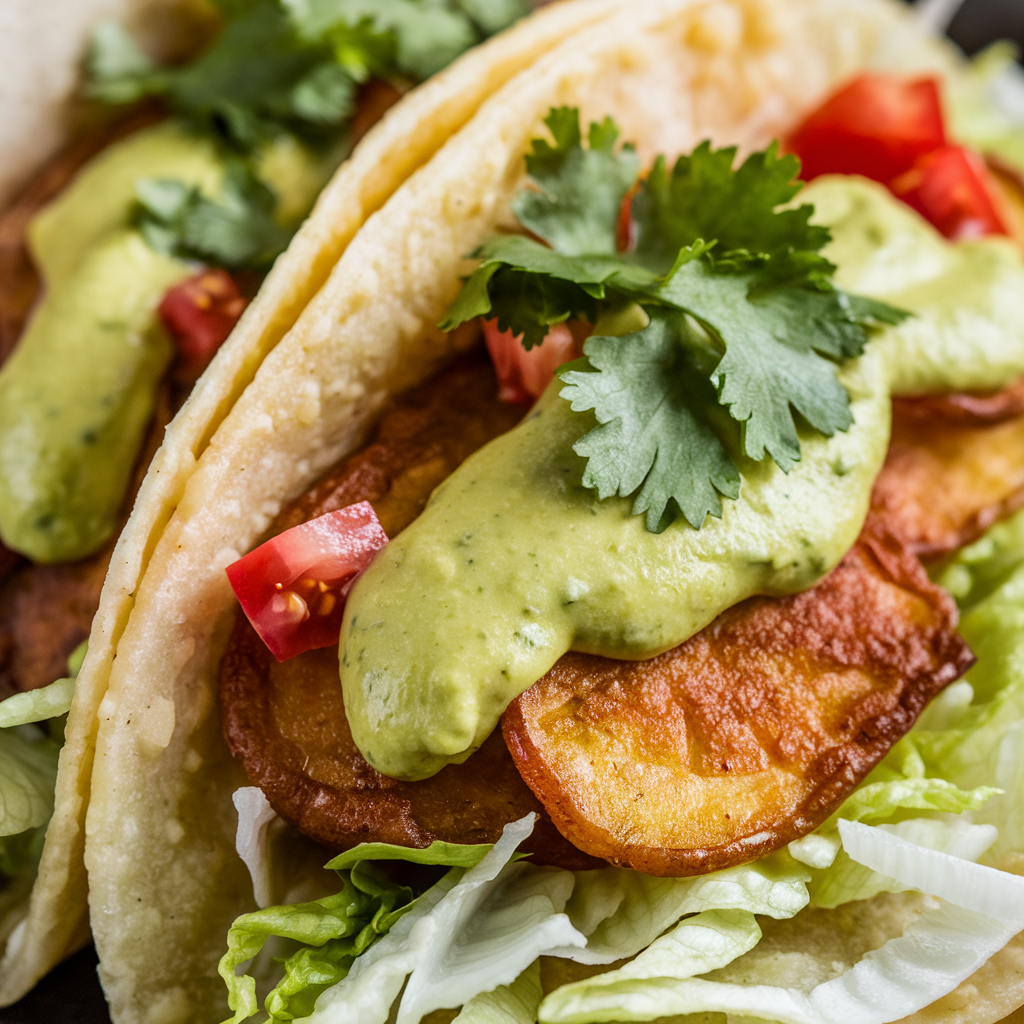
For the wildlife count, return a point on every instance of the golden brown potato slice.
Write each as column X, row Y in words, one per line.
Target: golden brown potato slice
column 749, row 734
column 948, row 478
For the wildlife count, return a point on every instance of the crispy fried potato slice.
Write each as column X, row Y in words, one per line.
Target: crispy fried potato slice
column 947, row 479
column 286, row 722
column 749, row 734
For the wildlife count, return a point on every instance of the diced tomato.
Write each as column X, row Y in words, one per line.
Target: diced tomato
column 522, row 375
column 951, row 188
column 876, row 125
column 293, row 587
column 200, row 313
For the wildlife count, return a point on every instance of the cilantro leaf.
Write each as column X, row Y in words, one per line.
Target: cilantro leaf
column 718, row 244
column 238, row 231
column 575, row 207
column 118, row 70
column 529, row 304
column 651, row 400
column 770, row 363
column 704, row 198
column 536, row 287
column 292, row 65
column 491, row 16
column 419, row 37
column 255, row 80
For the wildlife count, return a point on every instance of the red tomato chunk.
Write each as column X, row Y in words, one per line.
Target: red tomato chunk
column 877, row 126
column 950, row 189
column 200, row 313
column 293, row 587
column 523, row 376
column 891, row 129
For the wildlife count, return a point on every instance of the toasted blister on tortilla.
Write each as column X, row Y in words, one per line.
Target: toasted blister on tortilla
column 55, row 922
column 164, row 879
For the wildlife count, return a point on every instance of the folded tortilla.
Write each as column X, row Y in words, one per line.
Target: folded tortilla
column 164, row 878
column 55, row 921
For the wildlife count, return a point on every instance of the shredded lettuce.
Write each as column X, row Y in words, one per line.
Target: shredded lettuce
column 28, row 767
column 333, row 930
column 37, row 705
column 846, row 880
column 483, row 924
column 484, row 931
column 622, row 912
column 978, row 738
column 508, row 1004
column 28, row 771
column 940, row 949
column 706, row 942
column 255, row 816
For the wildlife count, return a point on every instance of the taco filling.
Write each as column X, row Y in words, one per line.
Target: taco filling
column 654, row 715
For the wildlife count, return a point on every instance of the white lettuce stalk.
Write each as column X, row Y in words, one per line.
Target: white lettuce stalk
column 255, row 816
column 469, row 936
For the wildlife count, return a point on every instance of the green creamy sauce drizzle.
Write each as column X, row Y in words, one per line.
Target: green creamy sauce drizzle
column 78, row 392
column 513, row 562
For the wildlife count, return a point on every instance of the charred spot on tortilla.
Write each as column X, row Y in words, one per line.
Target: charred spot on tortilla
column 751, row 733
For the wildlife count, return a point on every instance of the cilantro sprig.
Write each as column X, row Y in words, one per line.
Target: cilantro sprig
column 238, row 231
column 278, row 67
column 293, row 65
column 746, row 328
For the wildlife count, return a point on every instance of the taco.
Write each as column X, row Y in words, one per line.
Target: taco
column 763, row 513
column 183, row 202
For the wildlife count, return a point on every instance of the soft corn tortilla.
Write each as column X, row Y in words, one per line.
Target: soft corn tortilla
column 57, row 917
column 164, row 879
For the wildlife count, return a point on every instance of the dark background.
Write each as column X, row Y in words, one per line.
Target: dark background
column 71, row 993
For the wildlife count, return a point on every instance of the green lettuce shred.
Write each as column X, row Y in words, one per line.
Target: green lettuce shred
column 333, row 930
column 28, row 768
column 507, row 1004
